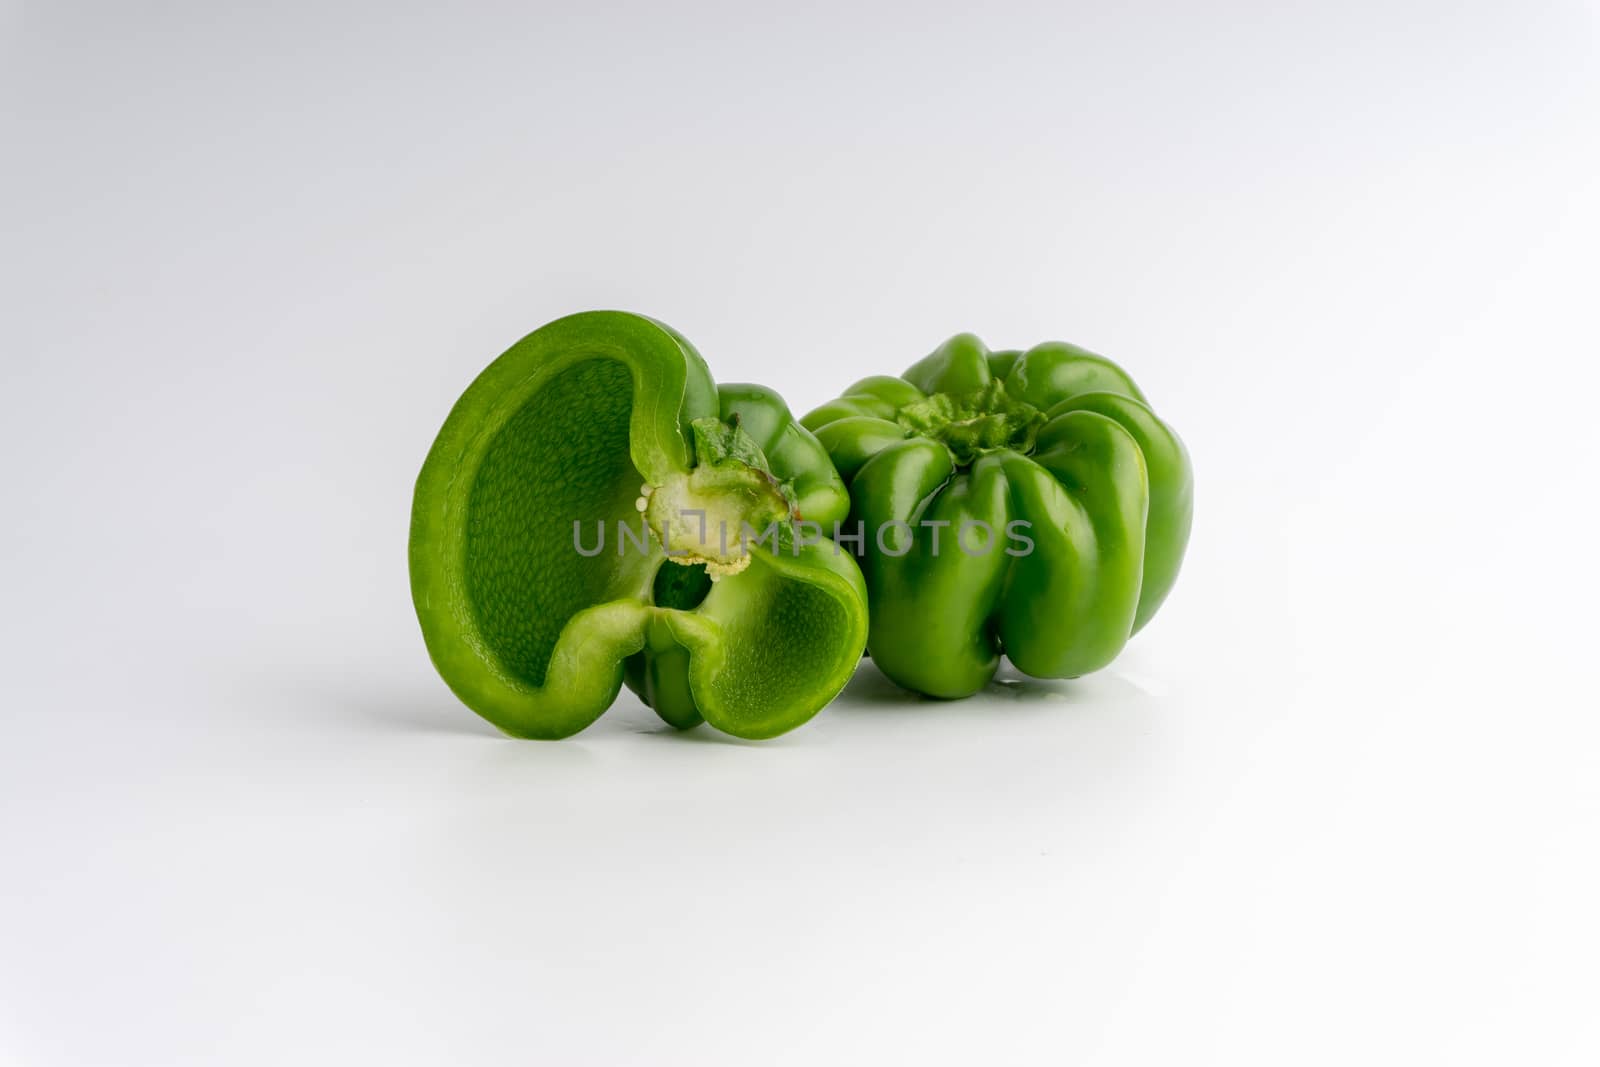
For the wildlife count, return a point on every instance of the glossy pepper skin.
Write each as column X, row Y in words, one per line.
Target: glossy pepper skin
column 1055, row 438
column 607, row 418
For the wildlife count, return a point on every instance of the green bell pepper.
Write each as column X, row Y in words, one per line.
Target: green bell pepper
column 1020, row 503
column 592, row 513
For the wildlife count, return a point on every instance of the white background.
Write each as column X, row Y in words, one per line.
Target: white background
column 1338, row 804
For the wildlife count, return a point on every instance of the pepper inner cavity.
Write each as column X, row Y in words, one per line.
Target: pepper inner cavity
column 680, row 588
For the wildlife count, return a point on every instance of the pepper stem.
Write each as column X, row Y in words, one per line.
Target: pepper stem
column 705, row 515
column 971, row 424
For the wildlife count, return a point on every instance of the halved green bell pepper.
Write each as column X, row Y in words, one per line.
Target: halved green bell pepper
column 542, row 522
column 1020, row 503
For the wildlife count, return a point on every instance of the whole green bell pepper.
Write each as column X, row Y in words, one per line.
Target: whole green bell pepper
column 542, row 524
column 1020, row 503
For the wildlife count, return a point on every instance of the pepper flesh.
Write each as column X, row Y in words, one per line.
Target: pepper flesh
column 1055, row 444
column 537, row 632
